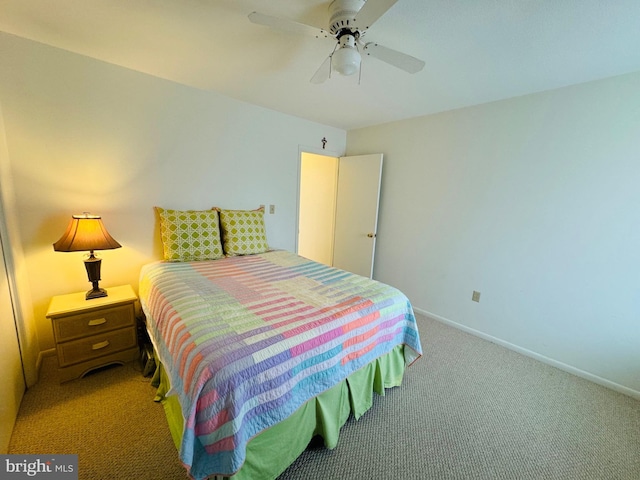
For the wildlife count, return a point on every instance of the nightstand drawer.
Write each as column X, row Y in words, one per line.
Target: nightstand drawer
column 96, row 346
column 94, row 322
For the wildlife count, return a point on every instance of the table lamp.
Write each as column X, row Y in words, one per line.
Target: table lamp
column 87, row 232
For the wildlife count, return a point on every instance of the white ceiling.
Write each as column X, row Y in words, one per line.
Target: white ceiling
column 475, row 51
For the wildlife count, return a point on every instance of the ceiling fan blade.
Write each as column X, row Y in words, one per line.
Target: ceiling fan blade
column 392, row 57
column 285, row 25
column 323, row 73
column 371, row 11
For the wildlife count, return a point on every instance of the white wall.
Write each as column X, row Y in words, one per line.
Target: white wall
column 84, row 135
column 12, row 384
column 17, row 268
column 534, row 202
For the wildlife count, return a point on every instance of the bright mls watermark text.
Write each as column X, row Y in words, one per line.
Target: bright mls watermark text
column 51, row 467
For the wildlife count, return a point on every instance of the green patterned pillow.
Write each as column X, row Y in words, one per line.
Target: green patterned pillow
column 243, row 232
column 190, row 235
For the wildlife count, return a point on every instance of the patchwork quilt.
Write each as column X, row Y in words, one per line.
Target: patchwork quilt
column 247, row 340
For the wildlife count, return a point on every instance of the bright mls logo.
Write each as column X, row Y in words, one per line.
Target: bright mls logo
column 51, row 467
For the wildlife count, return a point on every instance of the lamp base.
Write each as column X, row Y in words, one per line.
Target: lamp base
column 92, row 265
column 96, row 293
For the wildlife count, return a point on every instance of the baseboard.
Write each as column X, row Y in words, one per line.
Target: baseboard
column 41, row 354
column 529, row 353
column 51, row 352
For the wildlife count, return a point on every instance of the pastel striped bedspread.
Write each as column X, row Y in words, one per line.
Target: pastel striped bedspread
column 247, row 340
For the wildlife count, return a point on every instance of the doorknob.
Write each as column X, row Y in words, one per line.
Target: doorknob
column 371, row 235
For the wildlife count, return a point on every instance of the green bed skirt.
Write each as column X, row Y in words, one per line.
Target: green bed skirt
column 273, row 450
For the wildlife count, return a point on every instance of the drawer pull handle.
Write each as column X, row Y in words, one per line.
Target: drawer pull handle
column 99, row 345
column 97, row 321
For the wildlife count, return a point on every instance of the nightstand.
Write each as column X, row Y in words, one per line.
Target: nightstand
column 93, row 333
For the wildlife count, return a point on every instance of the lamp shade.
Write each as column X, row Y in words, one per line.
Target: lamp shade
column 85, row 232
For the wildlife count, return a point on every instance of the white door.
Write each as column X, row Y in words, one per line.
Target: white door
column 12, row 384
column 357, row 213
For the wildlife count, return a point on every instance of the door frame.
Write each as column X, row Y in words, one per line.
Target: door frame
column 302, row 149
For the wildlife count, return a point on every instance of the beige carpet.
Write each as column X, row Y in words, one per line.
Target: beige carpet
column 468, row 409
column 108, row 418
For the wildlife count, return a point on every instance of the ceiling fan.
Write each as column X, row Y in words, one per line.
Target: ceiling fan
column 349, row 20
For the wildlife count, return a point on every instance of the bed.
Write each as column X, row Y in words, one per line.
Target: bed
column 260, row 352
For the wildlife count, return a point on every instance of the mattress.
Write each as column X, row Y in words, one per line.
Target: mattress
column 247, row 342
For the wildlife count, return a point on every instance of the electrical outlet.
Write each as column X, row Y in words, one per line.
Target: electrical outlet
column 272, row 209
column 475, row 296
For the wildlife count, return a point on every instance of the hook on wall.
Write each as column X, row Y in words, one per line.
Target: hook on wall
column 324, row 142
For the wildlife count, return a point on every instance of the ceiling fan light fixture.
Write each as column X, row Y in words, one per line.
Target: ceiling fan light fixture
column 346, row 60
